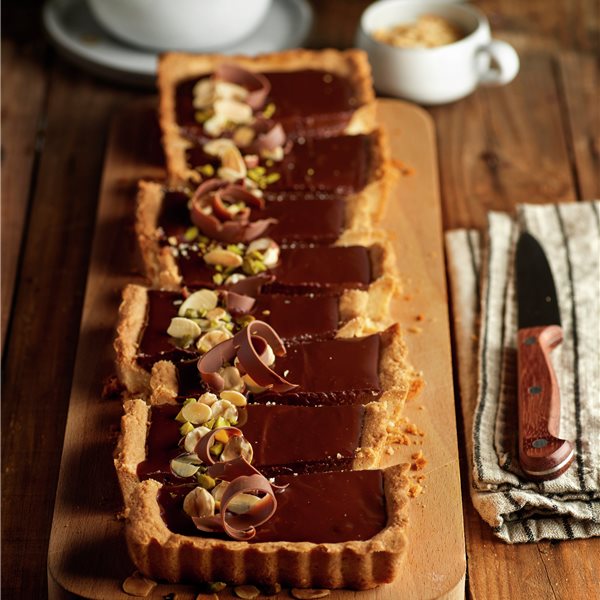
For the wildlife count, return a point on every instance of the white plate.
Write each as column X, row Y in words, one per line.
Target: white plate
column 80, row 38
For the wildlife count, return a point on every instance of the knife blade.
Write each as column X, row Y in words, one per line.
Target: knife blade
column 542, row 454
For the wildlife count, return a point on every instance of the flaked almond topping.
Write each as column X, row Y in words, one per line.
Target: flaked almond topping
column 236, row 398
column 199, row 503
column 242, row 503
column 231, row 91
column 200, row 302
column 256, row 84
column 233, row 164
column 233, row 111
column 139, row 586
column 243, row 136
column 268, row 248
column 185, row 465
column 213, row 338
column 208, row 398
column 232, row 380
column 218, row 491
column 309, row 594
column 196, row 412
column 218, row 147
column 216, row 125
column 217, row 314
column 225, row 258
column 247, row 592
column 203, row 94
column 193, row 437
column 181, row 328
column 225, row 409
column 237, row 447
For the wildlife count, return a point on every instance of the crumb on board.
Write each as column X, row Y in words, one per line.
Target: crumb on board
column 412, row 429
column 404, row 169
column 414, row 490
column 420, row 317
column 414, row 329
column 112, row 388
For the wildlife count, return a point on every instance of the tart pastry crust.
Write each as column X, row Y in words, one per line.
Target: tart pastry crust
column 160, row 554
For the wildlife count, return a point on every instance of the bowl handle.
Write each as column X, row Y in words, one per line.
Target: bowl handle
column 498, row 63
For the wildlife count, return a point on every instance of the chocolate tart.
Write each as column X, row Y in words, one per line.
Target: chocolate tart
column 163, row 215
column 285, row 439
column 369, row 542
column 362, row 369
column 145, row 314
column 314, row 94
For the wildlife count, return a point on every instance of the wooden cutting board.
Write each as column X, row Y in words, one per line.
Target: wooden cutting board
column 87, row 555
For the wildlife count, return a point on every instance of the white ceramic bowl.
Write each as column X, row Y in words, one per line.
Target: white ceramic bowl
column 435, row 75
column 192, row 25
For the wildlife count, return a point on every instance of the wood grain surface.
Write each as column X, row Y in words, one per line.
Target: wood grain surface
column 42, row 300
column 88, row 498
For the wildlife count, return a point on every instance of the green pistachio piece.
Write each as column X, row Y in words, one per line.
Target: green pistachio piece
column 221, row 422
column 191, row 234
column 216, row 449
column 205, row 481
column 186, row 428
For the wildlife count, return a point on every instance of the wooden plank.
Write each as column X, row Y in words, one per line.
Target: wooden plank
column 504, row 146
column 40, row 352
column 579, row 76
column 24, row 88
column 87, row 551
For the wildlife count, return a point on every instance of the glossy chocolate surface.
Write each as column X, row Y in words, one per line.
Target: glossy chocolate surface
column 332, row 372
column 284, row 439
column 298, row 220
column 293, row 317
column 307, row 102
column 319, row 508
column 329, row 269
column 338, row 164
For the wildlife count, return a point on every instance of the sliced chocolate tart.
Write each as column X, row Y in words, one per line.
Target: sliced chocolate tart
column 308, row 93
column 145, row 317
column 329, row 530
column 284, row 439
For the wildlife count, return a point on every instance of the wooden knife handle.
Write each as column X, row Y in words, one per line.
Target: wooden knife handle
column 541, row 453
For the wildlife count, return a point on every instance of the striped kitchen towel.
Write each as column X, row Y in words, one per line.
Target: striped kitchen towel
column 484, row 307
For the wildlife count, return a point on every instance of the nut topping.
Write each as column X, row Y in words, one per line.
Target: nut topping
column 181, row 328
column 218, row 491
column 233, row 166
column 237, row 447
column 200, row 302
column 243, row 136
column 225, row 258
column 204, row 94
column 199, row 503
column 196, row 412
column 217, row 147
column 229, row 91
column 225, row 409
column 193, row 437
column 236, row 398
column 185, row 465
column 233, row 111
column 232, row 380
column 208, row 398
column 212, row 338
column 242, row 503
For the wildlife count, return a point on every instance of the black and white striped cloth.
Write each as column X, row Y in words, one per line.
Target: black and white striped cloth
column 484, row 308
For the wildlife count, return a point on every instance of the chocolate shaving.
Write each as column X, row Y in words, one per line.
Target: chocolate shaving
column 270, row 139
column 242, row 527
column 251, row 286
column 249, row 345
column 237, row 304
column 219, row 223
column 256, row 84
column 203, row 447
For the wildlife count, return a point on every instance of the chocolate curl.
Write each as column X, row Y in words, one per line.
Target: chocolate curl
column 232, row 469
column 203, row 447
column 237, row 304
column 251, row 286
column 213, row 360
column 220, row 224
column 256, row 84
column 250, row 358
column 268, row 140
column 242, row 527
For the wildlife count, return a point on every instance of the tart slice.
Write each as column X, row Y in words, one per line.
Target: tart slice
column 145, row 317
column 310, row 93
column 329, row 530
column 284, row 439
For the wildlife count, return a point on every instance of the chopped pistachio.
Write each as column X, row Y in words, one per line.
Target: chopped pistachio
column 191, row 234
column 216, row 449
column 205, row 481
column 221, row 422
column 218, row 278
column 269, row 110
column 186, row 428
column 202, row 116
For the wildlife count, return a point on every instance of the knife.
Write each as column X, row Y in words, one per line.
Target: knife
column 542, row 454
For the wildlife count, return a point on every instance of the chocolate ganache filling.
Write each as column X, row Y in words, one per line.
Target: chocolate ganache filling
column 340, row 165
column 293, row 317
column 307, row 102
column 285, row 439
column 318, row 507
column 330, row 269
column 332, row 372
column 297, row 220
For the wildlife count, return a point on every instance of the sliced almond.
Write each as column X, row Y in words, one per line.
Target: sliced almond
column 215, row 126
column 217, row 314
column 247, row 592
column 236, row 398
column 225, row 258
column 232, row 380
column 233, row 162
column 193, row 437
column 237, row 447
column 139, row 586
column 308, row 594
column 233, row 111
column 275, row 154
column 269, row 358
column 183, row 467
column 252, row 385
column 183, row 328
column 228, row 90
column 199, row 503
column 203, row 94
column 243, row 136
column 218, row 491
column 268, row 248
column 200, row 301
column 212, row 338
column 208, row 398
column 271, row 256
column 242, row 503
column 217, row 147
column 196, row 412
column 225, row 409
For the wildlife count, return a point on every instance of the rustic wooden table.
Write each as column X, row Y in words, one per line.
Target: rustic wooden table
column 536, row 140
